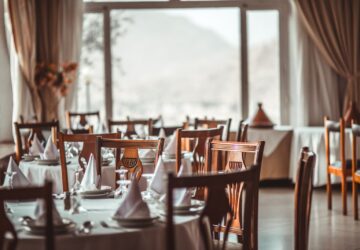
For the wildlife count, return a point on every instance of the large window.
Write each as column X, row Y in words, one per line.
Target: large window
column 183, row 58
column 175, row 63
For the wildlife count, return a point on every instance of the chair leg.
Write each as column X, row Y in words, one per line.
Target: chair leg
column 355, row 200
column 328, row 191
column 344, row 194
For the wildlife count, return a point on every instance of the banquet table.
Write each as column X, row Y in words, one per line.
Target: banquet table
column 38, row 173
column 187, row 233
column 276, row 156
column 314, row 138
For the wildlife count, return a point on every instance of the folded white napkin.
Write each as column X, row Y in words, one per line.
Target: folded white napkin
column 147, row 153
column 91, row 179
column 50, row 152
column 101, row 128
column 158, row 182
column 182, row 196
column 133, row 205
column 162, row 133
column 36, row 147
column 40, row 214
column 19, row 179
column 140, row 131
column 170, row 148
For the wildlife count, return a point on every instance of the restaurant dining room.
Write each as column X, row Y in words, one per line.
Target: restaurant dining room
column 179, row 124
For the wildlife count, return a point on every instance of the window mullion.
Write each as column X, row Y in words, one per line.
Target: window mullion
column 108, row 67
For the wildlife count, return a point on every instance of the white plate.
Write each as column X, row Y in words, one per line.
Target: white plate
column 194, row 204
column 66, row 227
column 135, row 222
column 102, row 190
column 47, row 162
column 29, row 157
column 147, row 160
column 95, row 196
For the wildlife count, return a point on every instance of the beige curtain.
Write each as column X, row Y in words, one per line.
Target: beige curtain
column 22, row 15
column 334, row 28
column 316, row 89
column 40, row 34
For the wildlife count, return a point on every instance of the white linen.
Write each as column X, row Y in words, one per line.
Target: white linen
column 272, row 137
column 50, row 152
column 182, row 196
column 147, row 153
column 133, row 206
column 36, row 146
column 163, row 167
column 19, row 179
column 170, row 148
column 187, row 231
column 36, row 174
column 162, row 133
column 40, row 214
column 91, row 179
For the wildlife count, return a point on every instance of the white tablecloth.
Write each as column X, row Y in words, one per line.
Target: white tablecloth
column 187, row 233
column 37, row 174
column 272, row 137
column 314, row 138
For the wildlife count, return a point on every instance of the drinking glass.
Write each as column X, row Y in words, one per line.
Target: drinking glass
column 147, row 193
column 123, row 183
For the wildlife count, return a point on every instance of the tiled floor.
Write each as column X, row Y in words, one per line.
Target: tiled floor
column 328, row 229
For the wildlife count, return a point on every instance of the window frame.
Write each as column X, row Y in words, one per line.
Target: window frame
column 282, row 6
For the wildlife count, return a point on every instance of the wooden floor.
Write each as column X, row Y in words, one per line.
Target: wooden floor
column 329, row 230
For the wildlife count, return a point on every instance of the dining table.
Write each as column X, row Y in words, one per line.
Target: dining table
column 112, row 236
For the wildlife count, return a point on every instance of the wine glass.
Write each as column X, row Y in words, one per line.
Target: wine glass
column 123, row 183
column 76, row 207
column 147, row 193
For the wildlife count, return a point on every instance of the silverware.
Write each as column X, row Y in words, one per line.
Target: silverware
column 105, row 225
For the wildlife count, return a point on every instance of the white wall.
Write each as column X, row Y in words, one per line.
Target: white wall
column 5, row 84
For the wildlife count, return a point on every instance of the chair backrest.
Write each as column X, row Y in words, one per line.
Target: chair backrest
column 89, row 147
column 31, row 129
column 77, row 131
column 335, row 127
column 130, row 159
column 236, row 153
column 241, row 133
column 130, row 125
column 355, row 133
column 212, row 123
column 200, row 136
column 168, row 130
column 303, row 195
column 158, row 119
column 217, row 205
column 82, row 118
column 26, row 193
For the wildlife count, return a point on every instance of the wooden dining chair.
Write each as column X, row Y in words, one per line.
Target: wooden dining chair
column 81, row 118
column 241, row 133
column 31, row 129
column 213, row 123
column 155, row 121
column 129, row 159
column 303, row 196
column 26, row 193
column 130, row 125
column 218, row 208
column 340, row 168
column 88, row 148
column 355, row 171
column 79, row 131
column 168, row 130
column 239, row 156
column 195, row 140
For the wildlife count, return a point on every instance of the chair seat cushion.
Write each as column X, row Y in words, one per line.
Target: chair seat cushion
column 348, row 164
